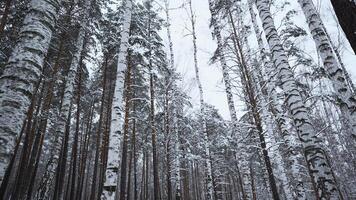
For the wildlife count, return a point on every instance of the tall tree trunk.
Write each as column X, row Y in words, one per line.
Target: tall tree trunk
column 168, row 142
column 22, row 72
column 116, row 115
column 68, row 95
column 295, row 161
column 208, row 171
column 125, row 139
column 253, row 107
column 156, row 185
column 226, row 76
column 135, row 158
column 73, row 174
column 314, row 154
column 345, row 98
column 93, row 193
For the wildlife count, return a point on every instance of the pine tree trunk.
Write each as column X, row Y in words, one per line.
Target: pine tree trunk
column 252, row 105
column 208, row 171
column 94, row 194
column 314, row 154
column 345, row 98
column 22, row 72
column 168, row 142
column 67, row 102
column 109, row 189
column 74, row 178
column 153, row 132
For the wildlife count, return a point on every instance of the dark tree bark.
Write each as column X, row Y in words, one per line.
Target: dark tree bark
column 346, row 13
column 94, row 193
column 73, row 174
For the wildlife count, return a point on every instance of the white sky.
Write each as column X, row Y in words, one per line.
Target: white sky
column 211, row 76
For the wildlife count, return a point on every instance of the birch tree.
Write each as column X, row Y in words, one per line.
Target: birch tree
column 319, row 169
column 117, row 108
column 22, row 72
column 280, row 118
column 209, row 179
column 344, row 96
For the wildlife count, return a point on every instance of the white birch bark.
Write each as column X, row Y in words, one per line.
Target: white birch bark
column 22, row 72
column 346, row 99
column 293, row 157
column 208, row 170
column 110, row 184
column 169, row 35
column 319, row 169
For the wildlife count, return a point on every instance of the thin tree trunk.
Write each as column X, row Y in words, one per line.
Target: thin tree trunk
column 93, row 193
column 226, row 76
column 253, row 106
column 73, row 188
column 210, row 188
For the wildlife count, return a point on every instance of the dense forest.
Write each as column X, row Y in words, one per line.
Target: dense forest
column 93, row 104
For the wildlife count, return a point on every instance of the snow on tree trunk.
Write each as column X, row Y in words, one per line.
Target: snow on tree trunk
column 293, row 158
column 171, row 53
column 110, row 183
column 175, row 123
column 68, row 97
column 345, row 98
column 342, row 65
column 227, row 81
column 208, row 172
column 22, row 72
column 319, row 169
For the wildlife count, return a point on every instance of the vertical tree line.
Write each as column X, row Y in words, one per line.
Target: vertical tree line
column 92, row 104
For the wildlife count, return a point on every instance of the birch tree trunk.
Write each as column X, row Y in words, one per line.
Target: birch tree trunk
column 208, row 171
column 294, row 160
column 22, row 72
column 110, row 184
column 325, row 186
column 226, row 78
column 345, row 98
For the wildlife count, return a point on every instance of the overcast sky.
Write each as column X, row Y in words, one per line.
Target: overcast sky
column 211, row 76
